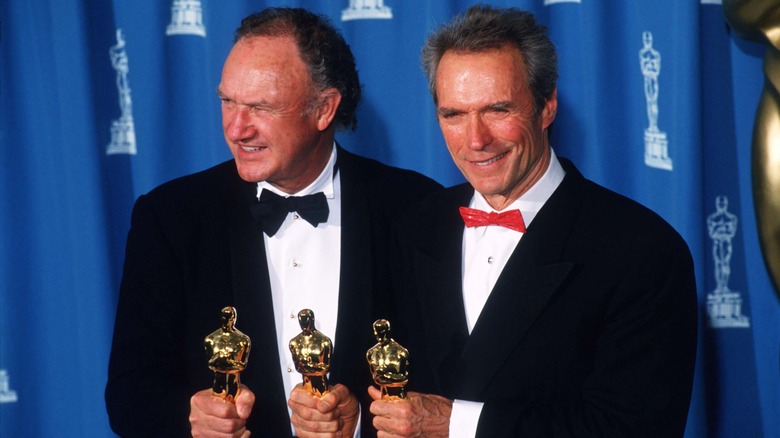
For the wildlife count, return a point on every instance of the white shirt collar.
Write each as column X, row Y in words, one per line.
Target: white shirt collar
column 530, row 202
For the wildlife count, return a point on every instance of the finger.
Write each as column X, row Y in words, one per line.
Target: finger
column 213, row 416
column 309, row 420
column 310, row 428
column 245, row 401
column 393, row 409
column 210, row 405
column 383, row 434
column 304, row 405
column 348, row 406
column 213, row 426
column 383, row 427
column 335, row 396
column 223, row 425
column 381, row 408
column 308, row 413
column 303, row 397
column 375, row 393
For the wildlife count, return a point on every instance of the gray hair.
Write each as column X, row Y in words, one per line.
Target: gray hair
column 483, row 28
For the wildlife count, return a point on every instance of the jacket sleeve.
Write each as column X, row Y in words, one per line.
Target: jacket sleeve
column 146, row 391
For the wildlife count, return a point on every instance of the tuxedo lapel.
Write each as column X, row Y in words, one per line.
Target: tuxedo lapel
column 254, row 304
column 532, row 276
column 355, row 280
column 437, row 271
column 518, row 298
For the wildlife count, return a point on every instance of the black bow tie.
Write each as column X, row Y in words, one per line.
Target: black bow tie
column 271, row 209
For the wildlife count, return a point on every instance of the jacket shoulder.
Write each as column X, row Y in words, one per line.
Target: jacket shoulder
column 199, row 183
column 210, row 193
column 393, row 183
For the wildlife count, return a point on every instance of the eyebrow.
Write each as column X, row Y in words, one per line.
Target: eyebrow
column 261, row 104
column 501, row 105
column 446, row 111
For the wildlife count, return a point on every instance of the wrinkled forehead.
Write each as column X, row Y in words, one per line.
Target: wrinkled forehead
column 266, row 55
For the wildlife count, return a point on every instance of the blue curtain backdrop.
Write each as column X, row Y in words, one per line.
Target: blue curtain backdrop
column 100, row 101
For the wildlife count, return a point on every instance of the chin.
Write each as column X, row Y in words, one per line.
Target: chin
column 250, row 176
column 486, row 188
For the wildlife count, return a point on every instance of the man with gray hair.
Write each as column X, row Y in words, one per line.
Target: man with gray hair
column 533, row 301
column 292, row 221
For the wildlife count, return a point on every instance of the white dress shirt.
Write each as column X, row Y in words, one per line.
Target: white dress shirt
column 304, row 268
column 485, row 253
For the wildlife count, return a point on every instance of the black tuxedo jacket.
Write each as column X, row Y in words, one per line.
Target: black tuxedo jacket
column 590, row 329
column 193, row 248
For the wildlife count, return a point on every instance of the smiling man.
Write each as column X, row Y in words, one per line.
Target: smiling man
column 532, row 301
column 293, row 221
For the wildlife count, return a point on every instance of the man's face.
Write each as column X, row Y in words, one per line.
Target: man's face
column 485, row 111
column 270, row 125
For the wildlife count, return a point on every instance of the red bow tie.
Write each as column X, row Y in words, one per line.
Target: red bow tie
column 477, row 218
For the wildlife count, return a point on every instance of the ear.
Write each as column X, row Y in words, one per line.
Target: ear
column 326, row 110
column 550, row 109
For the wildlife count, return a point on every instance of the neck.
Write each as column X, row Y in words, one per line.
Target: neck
column 500, row 201
column 314, row 167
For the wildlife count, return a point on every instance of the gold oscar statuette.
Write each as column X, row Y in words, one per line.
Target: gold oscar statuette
column 310, row 351
column 389, row 363
column 759, row 20
column 228, row 352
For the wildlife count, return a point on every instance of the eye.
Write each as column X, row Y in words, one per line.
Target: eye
column 497, row 112
column 449, row 115
column 227, row 103
column 500, row 108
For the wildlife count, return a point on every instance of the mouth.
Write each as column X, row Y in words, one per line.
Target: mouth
column 490, row 161
column 250, row 149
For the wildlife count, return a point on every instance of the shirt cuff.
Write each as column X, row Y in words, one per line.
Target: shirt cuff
column 359, row 421
column 464, row 418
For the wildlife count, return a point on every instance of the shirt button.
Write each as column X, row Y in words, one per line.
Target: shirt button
column 295, row 216
column 490, row 260
column 292, row 315
column 289, row 370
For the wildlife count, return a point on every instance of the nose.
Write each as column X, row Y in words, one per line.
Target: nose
column 238, row 124
column 478, row 133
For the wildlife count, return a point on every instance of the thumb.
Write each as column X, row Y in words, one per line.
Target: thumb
column 245, row 402
column 375, row 393
column 333, row 399
column 326, row 403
